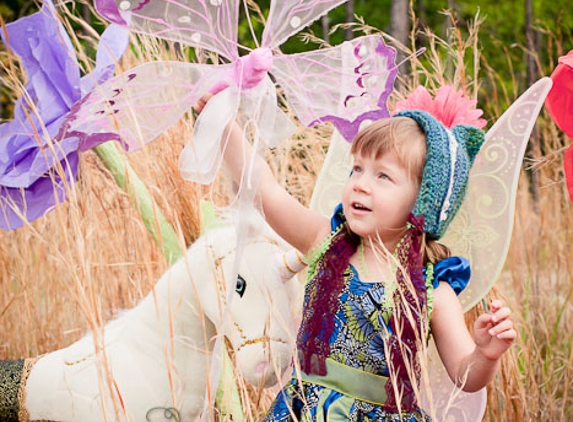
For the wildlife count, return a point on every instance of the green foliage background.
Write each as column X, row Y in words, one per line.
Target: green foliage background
column 502, row 34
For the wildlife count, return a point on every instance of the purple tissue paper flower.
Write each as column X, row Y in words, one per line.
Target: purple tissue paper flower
column 38, row 160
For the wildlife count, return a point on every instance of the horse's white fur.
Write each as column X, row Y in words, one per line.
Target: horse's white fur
column 157, row 355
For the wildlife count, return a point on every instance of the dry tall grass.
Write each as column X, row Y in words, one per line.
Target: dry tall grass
column 72, row 270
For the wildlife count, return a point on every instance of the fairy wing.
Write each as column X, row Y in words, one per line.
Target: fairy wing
column 481, row 231
column 346, row 85
column 137, row 106
column 446, row 402
column 208, row 24
column 287, row 17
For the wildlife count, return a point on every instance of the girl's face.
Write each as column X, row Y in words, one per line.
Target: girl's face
column 378, row 198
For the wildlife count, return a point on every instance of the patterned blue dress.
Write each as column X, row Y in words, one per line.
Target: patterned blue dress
column 357, row 355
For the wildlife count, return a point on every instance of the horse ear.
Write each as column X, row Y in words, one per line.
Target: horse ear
column 289, row 264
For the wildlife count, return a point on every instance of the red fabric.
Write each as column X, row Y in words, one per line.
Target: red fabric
column 568, row 165
column 559, row 101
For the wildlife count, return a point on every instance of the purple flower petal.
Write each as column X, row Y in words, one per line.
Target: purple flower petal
column 19, row 205
column 29, row 185
column 49, row 59
column 112, row 45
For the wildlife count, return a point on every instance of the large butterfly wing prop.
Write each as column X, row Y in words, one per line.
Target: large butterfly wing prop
column 208, row 24
column 288, row 17
column 142, row 103
column 39, row 165
column 346, row 85
column 316, row 85
column 211, row 24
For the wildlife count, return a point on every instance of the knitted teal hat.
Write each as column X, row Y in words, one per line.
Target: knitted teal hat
column 450, row 155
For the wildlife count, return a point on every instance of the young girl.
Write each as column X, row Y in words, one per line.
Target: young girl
column 378, row 282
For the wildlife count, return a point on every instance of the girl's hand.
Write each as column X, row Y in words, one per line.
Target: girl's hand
column 200, row 105
column 494, row 332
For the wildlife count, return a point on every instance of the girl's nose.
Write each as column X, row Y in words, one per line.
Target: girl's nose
column 360, row 186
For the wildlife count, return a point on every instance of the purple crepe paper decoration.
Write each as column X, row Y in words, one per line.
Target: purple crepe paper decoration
column 35, row 174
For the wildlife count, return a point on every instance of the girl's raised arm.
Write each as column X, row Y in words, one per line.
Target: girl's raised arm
column 295, row 223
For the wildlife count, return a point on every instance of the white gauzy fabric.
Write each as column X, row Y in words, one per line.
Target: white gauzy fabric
column 201, row 158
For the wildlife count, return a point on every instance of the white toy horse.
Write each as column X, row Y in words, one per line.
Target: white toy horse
column 152, row 363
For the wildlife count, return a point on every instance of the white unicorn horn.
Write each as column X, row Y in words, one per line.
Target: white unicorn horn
column 290, row 263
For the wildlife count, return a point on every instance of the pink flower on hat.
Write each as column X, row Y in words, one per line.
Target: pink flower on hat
column 449, row 106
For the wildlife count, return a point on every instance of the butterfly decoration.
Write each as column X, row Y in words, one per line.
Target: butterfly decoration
column 481, row 231
column 559, row 103
column 345, row 84
column 39, row 159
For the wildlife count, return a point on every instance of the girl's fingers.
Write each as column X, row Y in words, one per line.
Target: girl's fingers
column 508, row 335
column 201, row 102
column 503, row 326
column 501, row 314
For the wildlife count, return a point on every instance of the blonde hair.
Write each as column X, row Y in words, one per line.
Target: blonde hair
column 405, row 138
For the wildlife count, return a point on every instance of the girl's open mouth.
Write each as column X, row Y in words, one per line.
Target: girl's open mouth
column 359, row 207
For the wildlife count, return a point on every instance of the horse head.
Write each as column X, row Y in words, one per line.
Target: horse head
column 250, row 298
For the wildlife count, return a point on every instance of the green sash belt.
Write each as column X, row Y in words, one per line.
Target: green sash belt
column 351, row 382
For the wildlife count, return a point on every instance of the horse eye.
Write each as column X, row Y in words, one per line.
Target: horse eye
column 241, row 286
